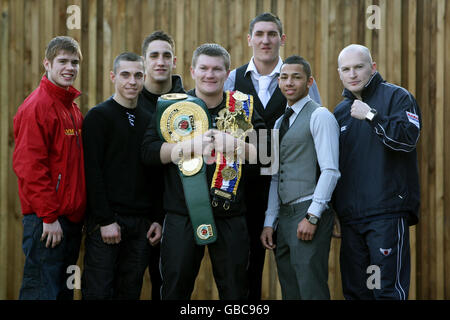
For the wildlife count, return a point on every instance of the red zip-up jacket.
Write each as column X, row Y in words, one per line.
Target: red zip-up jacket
column 48, row 154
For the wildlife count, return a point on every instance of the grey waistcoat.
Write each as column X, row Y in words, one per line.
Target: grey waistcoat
column 298, row 159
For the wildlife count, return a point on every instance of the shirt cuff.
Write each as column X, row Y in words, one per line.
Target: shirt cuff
column 50, row 219
column 270, row 220
column 317, row 208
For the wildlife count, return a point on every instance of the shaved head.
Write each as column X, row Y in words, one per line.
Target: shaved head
column 355, row 48
column 355, row 68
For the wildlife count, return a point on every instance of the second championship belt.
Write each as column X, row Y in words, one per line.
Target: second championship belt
column 234, row 119
column 182, row 117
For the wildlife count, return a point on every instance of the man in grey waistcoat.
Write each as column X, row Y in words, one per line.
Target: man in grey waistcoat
column 300, row 191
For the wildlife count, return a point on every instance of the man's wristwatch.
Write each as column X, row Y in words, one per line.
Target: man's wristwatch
column 371, row 114
column 312, row 219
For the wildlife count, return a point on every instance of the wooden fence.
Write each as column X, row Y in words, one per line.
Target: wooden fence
column 411, row 47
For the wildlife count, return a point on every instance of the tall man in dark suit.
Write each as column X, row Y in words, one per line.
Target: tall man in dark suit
column 259, row 78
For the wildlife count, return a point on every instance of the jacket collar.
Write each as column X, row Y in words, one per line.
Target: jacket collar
column 177, row 87
column 369, row 88
column 177, row 84
column 252, row 68
column 64, row 95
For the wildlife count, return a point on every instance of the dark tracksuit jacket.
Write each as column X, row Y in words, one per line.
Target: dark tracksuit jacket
column 378, row 158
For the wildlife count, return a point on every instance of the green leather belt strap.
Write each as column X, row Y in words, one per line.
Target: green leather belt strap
column 180, row 117
column 196, row 193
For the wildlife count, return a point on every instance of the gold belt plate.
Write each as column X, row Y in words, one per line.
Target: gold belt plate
column 183, row 121
column 190, row 167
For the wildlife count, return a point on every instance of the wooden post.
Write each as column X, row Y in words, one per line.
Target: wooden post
column 412, row 13
column 439, row 132
column 4, row 156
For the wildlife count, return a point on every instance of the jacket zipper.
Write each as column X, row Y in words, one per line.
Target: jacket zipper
column 75, row 127
column 59, row 180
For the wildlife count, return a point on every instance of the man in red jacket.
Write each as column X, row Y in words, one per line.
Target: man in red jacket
column 48, row 162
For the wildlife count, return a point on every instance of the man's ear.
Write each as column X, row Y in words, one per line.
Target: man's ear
column 283, row 39
column 46, row 64
column 174, row 62
column 310, row 81
column 112, row 76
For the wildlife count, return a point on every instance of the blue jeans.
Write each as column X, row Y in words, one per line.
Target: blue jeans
column 45, row 270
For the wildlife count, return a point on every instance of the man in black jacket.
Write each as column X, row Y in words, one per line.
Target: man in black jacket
column 377, row 197
column 158, row 50
column 181, row 256
column 122, row 213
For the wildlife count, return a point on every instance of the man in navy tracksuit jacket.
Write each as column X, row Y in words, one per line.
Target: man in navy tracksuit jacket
column 377, row 197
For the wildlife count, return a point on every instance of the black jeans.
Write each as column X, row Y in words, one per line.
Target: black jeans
column 45, row 271
column 181, row 258
column 115, row 271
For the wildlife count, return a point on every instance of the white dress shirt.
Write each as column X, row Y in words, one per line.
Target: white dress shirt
column 268, row 83
column 255, row 75
column 325, row 132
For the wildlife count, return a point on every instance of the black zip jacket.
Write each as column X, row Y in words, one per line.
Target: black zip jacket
column 174, row 200
column 149, row 100
column 378, row 158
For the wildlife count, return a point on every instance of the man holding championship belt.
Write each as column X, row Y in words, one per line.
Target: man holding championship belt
column 205, row 155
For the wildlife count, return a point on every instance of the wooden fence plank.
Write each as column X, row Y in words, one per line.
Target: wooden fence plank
column 439, row 133
column 324, row 52
column 108, row 58
column 4, row 126
column 446, row 53
column 430, row 5
column 76, row 34
column 179, row 38
column 411, row 69
column 92, row 53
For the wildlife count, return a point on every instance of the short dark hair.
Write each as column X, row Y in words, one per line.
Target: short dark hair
column 267, row 17
column 157, row 35
column 212, row 50
column 127, row 56
column 299, row 60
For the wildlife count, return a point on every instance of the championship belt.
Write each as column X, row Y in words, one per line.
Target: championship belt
column 182, row 117
column 234, row 119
